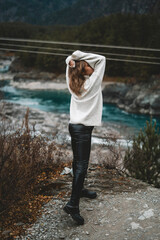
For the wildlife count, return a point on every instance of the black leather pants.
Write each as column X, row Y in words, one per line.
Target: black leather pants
column 81, row 146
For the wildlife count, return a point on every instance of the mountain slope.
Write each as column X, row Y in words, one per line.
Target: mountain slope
column 31, row 11
column 70, row 12
column 83, row 10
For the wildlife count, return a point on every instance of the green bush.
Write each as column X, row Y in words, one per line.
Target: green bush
column 142, row 160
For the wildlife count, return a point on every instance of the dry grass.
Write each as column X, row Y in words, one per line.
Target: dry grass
column 25, row 161
column 109, row 155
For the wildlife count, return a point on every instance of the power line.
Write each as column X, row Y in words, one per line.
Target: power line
column 26, row 51
column 132, row 61
column 31, row 46
column 80, row 44
column 71, row 50
column 61, row 54
column 127, row 55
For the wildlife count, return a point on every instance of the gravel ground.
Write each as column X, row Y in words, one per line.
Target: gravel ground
column 125, row 208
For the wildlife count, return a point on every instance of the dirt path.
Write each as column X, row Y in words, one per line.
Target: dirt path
column 125, row 209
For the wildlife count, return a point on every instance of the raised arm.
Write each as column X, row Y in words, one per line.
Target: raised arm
column 91, row 58
column 97, row 62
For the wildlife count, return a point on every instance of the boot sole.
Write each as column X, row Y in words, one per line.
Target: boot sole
column 67, row 210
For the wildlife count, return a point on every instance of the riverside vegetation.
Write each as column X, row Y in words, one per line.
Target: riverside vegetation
column 143, row 159
column 25, row 160
column 117, row 29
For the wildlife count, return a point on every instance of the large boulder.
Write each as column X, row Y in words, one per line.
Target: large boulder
column 138, row 98
column 115, row 92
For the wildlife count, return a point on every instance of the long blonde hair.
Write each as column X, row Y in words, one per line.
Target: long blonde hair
column 77, row 78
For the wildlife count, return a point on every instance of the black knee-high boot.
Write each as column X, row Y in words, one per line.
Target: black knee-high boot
column 81, row 146
column 81, row 191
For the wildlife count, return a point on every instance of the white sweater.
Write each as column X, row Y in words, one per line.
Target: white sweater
column 87, row 108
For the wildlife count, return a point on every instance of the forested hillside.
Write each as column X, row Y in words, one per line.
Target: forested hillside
column 123, row 30
column 71, row 12
column 83, row 11
column 31, row 11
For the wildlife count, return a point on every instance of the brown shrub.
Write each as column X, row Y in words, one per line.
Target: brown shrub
column 23, row 156
column 110, row 154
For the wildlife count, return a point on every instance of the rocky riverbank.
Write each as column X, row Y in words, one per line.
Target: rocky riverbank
column 46, row 123
column 137, row 98
column 108, row 145
column 143, row 98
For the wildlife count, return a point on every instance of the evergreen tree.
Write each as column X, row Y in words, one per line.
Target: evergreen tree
column 143, row 159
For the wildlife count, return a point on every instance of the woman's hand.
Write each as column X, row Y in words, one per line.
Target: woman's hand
column 72, row 63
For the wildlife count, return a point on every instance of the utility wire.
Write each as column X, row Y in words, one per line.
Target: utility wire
column 34, row 46
column 61, row 54
column 79, row 44
column 132, row 61
column 26, row 51
column 71, row 50
column 127, row 55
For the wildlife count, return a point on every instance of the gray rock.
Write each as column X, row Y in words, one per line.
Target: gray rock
column 139, row 98
column 115, row 91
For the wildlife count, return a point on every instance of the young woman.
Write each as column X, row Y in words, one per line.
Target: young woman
column 84, row 74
